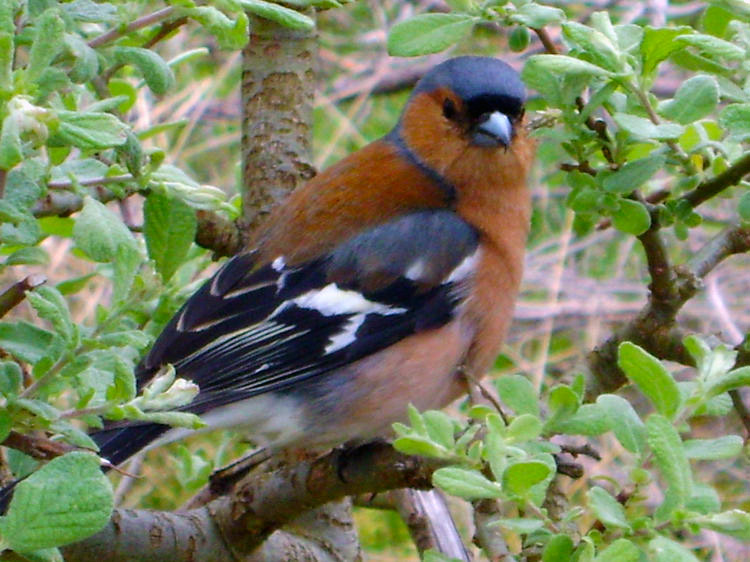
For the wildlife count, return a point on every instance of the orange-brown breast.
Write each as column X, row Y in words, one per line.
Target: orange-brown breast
column 364, row 189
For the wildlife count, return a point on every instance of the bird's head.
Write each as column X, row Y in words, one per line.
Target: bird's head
column 467, row 113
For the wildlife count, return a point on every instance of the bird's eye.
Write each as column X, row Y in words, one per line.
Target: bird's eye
column 449, row 108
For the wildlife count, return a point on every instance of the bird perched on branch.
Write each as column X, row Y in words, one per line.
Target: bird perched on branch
column 373, row 286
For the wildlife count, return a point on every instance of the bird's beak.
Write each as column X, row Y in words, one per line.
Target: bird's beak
column 494, row 129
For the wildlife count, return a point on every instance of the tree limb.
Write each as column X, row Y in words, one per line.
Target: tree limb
column 232, row 527
column 653, row 328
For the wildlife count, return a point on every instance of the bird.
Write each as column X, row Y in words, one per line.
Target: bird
column 377, row 284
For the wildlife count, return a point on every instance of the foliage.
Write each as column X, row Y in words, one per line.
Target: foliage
column 642, row 164
column 514, row 460
column 73, row 79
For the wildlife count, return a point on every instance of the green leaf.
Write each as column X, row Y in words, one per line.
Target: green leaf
column 6, row 424
column 281, row 15
column 525, row 427
column 736, row 119
column 564, row 65
column 91, row 12
column 11, row 147
column 658, row 44
column 99, row 232
column 518, row 478
column 594, row 44
column 33, row 255
column 535, row 15
column 416, row 445
column 154, row 69
column 169, row 227
column 625, row 422
column 736, row 378
column 633, row 174
column 644, row 128
column 10, row 379
column 26, row 341
column 123, row 387
column 589, row 419
column 440, row 428
column 725, row 447
column 743, row 207
column 86, row 63
column 428, row 33
column 669, row 454
column 667, row 550
column 651, row 377
column 694, row 99
column 231, row 34
column 559, row 548
column 125, row 268
column 520, row 526
column 7, row 48
column 518, row 393
column 622, row 550
column 563, row 402
column 704, row 499
column 90, row 130
column 66, row 500
column 714, row 47
column 735, row 523
column 52, row 306
column 49, row 30
column 607, row 509
column 466, row 483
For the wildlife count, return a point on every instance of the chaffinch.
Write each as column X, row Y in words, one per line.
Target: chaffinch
column 373, row 286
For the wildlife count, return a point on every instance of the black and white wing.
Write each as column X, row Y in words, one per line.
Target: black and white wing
column 256, row 328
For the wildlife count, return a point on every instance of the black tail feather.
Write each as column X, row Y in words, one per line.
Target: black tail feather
column 118, row 444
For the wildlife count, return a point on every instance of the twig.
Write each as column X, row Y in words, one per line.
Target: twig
column 653, row 327
column 662, row 286
column 37, row 447
column 741, row 409
column 586, row 450
column 729, row 177
column 141, row 22
column 67, row 184
column 14, row 294
column 546, row 40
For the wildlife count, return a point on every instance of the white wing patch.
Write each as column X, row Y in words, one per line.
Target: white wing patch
column 331, row 300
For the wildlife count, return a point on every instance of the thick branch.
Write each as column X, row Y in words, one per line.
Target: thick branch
column 232, row 527
column 278, row 90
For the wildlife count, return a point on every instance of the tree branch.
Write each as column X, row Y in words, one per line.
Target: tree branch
column 14, row 295
column 232, row 527
column 116, row 33
column 653, row 328
column 729, row 177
